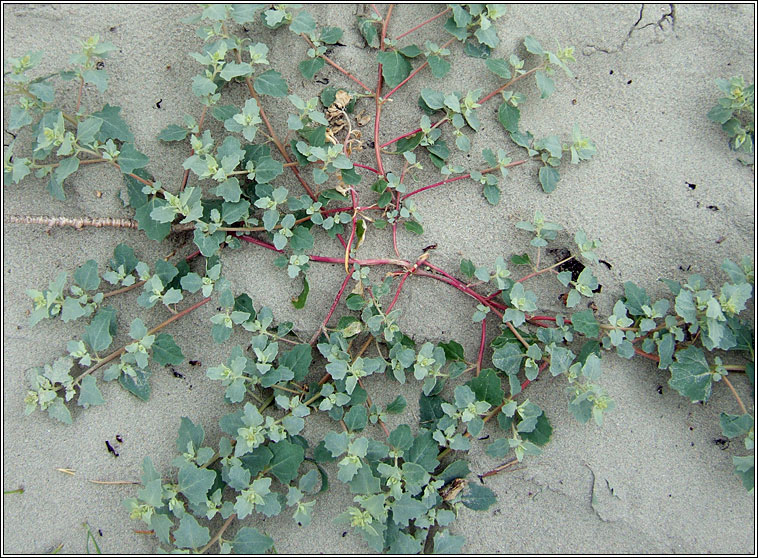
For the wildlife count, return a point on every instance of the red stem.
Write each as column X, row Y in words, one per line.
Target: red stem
column 481, row 102
column 461, row 287
column 372, row 169
column 345, row 72
column 420, row 25
column 397, row 293
column 446, row 181
column 253, row 240
column 331, row 310
column 417, row 70
column 416, row 131
column 378, row 94
column 349, row 246
column 441, row 274
column 481, row 347
column 508, row 84
column 377, row 148
column 640, row 352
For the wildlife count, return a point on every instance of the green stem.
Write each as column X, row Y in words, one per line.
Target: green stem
column 541, row 271
column 119, row 352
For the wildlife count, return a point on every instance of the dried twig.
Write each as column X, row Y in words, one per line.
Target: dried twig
column 80, row 222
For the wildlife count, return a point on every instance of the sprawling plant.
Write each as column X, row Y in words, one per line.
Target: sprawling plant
column 410, row 483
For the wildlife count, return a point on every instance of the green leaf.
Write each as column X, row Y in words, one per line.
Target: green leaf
column 89, row 394
column 478, row 498
column 162, row 525
column 166, row 351
column 409, row 143
column 330, row 35
column 560, row 360
column 478, row 50
column 492, row 193
column 195, row 482
column 508, row 358
column 71, row 309
column 545, row 84
column 532, row 45
column 635, row 298
column 113, row 126
column 20, row 117
column 720, row 114
column 456, row 470
column 99, row 333
column 542, row 432
column 173, row 132
column 303, row 23
column 310, row 67
column 59, row 411
column 234, row 70
column 229, row 190
column 439, row 66
column 500, row 447
column 65, row 169
column 86, row 276
column 271, row 83
column 401, row 438
column 99, row 78
column 223, row 113
column 549, row 178
column 433, row 99
column 406, row 508
column 356, row 418
column 154, row 230
column 744, row 468
column 487, row 387
column 424, row 451
column 189, row 432
column 499, row 66
column 364, row 482
column 396, row 406
column 87, row 129
column 690, row 374
column 468, row 268
column 369, row 32
column 509, row 116
column 251, row 541
column 445, row 543
column 584, row 322
column 138, row 385
column 299, row 302
column 298, row 359
column 130, row 159
column 414, row 227
column 203, row 86
column 286, row 460
column 735, row 425
column 190, row 534
column 301, row 240
column 395, row 67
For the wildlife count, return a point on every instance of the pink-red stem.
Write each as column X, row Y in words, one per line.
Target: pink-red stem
column 420, row 25
column 331, row 310
column 482, row 343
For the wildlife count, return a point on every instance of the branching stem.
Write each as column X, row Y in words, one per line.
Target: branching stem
column 115, row 354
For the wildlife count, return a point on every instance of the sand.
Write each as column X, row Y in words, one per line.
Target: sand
column 664, row 194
